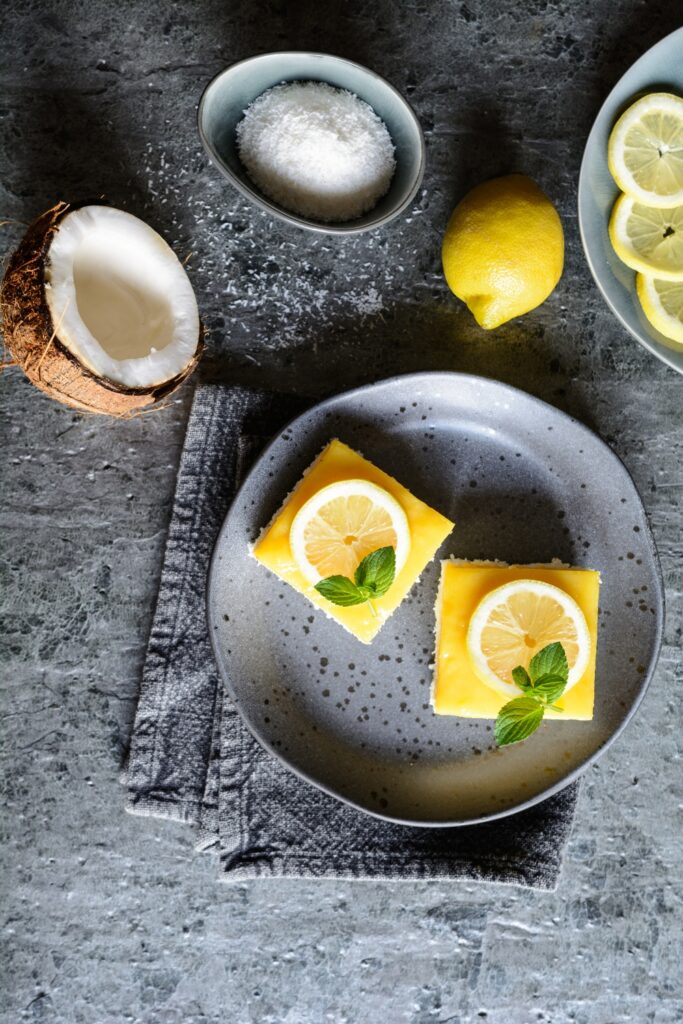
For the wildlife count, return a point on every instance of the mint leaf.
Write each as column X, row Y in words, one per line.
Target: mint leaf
column 550, row 687
column 373, row 577
column 545, row 681
column 517, row 720
column 341, row 590
column 377, row 571
column 520, row 677
column 550, row 661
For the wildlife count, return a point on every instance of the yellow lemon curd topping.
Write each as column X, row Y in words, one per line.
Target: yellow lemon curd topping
column 428, row 529
column 457, row 687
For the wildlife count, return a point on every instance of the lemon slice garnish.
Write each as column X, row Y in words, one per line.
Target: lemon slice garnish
column 645, row 150
column 341, row 524
column 515, row 621
column 662, row 303
column 648, row 239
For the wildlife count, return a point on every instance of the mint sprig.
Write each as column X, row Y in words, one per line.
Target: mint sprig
column 373, row 577
column 542, row 685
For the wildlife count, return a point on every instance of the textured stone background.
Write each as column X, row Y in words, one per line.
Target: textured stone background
column 109, row 919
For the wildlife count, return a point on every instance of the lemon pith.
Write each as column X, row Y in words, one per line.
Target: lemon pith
column 662, row 303
column 645, row 150
column 503, row 249
column 342, row 523
column 648, row 239
column 514, row 622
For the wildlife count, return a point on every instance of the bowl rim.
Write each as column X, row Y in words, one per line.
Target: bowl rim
column 319, row 227
column 647, row 342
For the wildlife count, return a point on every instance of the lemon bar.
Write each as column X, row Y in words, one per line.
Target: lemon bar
column 457, row 688
column 427, row 529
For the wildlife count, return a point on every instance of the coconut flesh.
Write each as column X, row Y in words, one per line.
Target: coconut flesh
column 99, row 311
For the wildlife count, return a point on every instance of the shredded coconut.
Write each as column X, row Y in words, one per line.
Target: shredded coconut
column 316, row 150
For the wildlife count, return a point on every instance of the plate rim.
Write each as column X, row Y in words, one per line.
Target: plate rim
column 545, row 794
column 653, row 347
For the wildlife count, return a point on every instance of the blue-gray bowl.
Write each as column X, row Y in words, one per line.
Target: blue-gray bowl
column 660, row 69
column 226, row 97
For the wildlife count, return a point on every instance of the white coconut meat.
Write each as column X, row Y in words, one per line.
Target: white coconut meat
column 119, row 298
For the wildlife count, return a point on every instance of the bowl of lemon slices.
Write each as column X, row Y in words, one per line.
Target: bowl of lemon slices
column 631, row 200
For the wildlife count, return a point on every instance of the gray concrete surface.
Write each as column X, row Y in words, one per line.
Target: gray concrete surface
column 109, row 919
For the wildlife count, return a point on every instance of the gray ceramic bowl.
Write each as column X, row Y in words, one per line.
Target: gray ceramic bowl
column 660, row 69
column 227, row 96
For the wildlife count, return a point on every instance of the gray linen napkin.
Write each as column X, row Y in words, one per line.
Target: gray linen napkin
column 192, row 758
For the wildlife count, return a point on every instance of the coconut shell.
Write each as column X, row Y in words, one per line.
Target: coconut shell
column 30, row 335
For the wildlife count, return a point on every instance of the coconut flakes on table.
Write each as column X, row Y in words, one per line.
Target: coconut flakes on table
column 316, row 150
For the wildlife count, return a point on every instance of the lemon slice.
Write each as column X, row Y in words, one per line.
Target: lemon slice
column 341, row 524
column 645, row 150
column 515, row 621
column 647, row 239
column 662, row 303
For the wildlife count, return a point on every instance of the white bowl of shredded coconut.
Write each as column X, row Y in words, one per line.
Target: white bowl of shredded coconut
column 315, row 140
column 316, row 150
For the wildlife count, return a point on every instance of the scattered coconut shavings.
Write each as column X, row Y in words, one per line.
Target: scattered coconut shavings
column 269, row 301
column 367, row 304
column 316, row 150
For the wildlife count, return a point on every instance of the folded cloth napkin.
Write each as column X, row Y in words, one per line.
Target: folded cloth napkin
column 192, row 758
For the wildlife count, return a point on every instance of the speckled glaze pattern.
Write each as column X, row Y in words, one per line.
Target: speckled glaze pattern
column 523, row 483
column 109, row 921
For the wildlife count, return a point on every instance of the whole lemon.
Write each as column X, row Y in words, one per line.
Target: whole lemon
column 503, row 250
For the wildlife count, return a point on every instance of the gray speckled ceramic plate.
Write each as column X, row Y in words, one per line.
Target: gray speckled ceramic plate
column 524, row 483
column 660, row 69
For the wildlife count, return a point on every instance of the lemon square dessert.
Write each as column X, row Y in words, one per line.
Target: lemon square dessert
column 492, row 617
column 342, row 510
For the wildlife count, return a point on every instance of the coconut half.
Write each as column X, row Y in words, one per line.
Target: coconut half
column 98, row 310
